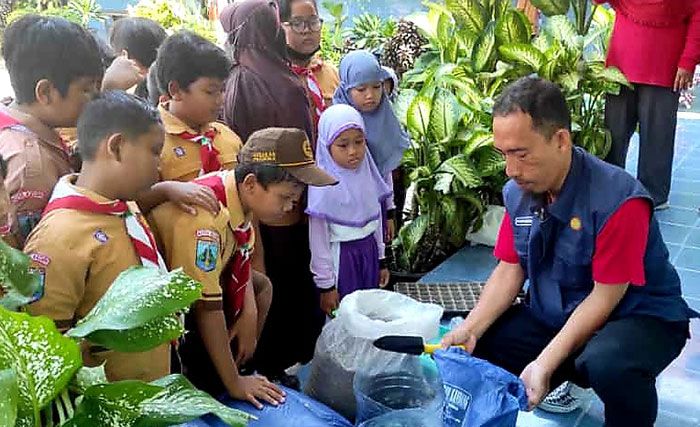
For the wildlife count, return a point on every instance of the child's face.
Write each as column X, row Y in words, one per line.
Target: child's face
column 304, row 17
column 201, row 103
column 348, row 150
column 65, row 110
column 140, row 157
column 275, row 201
column 366, row 97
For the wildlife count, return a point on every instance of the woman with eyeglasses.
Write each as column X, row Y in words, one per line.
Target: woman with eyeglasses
column 302, row 27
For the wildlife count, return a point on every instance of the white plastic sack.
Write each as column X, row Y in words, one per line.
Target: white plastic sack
column 488, row 233
column 345, row 345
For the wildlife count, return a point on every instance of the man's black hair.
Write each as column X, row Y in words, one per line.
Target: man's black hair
column 266, row 174
column 541, row 99
column 185, row 57
column 113, row 112
column 141, row 37
column 42, row 47
column 285, row 7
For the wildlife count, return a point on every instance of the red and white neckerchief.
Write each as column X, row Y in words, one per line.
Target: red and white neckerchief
column 66, row 196
column 208, row 154
column 315, row 92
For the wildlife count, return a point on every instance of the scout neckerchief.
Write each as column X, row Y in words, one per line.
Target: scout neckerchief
column 314, row 88
column 237, row 272
column 208, row 154
column 65, row 196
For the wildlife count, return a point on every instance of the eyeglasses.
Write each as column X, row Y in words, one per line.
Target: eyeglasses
column 300, row 25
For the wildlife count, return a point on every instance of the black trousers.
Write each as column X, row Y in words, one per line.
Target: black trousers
column 655, row 110
column 621, row 361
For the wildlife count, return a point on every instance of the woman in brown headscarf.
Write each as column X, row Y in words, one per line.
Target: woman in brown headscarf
column 262, row 92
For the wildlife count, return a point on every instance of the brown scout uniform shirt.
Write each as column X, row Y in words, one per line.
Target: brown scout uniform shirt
column 180, row 159
column 78, row 255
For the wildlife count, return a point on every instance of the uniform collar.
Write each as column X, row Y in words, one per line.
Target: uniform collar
column 562, row 206
column 95, row 197
column 233, row 201
column 35, row 125
column 172, row 124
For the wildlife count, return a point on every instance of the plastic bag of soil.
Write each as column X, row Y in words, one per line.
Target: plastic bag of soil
column 345, row 345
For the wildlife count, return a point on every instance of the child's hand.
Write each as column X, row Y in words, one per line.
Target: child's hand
column 390, row 232
column 187, row 195
column 122, row 74
column 329, row 301
column 384, row 277
column 245, row 329
column 254, row 387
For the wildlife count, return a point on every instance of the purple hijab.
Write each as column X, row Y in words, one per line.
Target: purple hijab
column 358, row 197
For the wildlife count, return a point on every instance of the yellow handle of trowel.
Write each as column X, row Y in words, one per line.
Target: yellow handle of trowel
column 431, row 348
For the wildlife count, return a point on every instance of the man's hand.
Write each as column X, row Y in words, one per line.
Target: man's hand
column 684, row 80
column 384, row 276
column 245, row 330
column 462, row 335
column 187, row 195
column 329, row 301
column 256, row 387
column 122, row 74
column 536, row 378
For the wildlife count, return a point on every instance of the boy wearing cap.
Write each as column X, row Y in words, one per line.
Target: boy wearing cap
column 274, row 166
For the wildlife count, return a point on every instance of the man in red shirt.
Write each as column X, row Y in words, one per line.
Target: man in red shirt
column 604, row 306
column 656, row 45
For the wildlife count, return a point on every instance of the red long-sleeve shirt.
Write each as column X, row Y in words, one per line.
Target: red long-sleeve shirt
column 652, row 54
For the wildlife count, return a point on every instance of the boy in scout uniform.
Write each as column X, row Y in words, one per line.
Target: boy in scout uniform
column 275, row 165
column 89, row 233
column 50, row 92
column 192, row 72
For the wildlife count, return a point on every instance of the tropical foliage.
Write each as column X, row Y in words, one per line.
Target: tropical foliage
column 43, row 382
column 81, row 12
column 476, row 48
column 176, row 15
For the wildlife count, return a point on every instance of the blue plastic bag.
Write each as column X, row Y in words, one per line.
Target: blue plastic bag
column 298, row 410
column 477, row 393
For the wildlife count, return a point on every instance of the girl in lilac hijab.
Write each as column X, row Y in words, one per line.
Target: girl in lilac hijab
column 345, row 221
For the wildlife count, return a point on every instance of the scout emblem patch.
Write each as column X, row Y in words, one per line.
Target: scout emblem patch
column 179, row 151
column 207, row 250
column 575, row 223
column 101, row 236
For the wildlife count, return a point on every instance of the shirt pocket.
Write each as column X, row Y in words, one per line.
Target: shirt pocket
column 572, row 266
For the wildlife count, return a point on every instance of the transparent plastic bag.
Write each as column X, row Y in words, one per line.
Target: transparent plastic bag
column 345, row 345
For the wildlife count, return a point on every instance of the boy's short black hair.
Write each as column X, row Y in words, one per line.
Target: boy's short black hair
column 540, row 99
column 113, row 112
column 266, row 174
column 185, row 57
column 44, row 47
column 141, row 37
column 285, row 7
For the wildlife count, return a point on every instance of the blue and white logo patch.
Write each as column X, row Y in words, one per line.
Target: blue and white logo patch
column 207, row 255
column 457, row 401
column 179, row 151
column 523, row 221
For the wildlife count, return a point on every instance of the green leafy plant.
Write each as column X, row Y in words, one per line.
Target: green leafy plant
column 41, row 373
column 332, row 36
column 370, row 32
column 476, row 48
column 81, row 12
column 175, row 15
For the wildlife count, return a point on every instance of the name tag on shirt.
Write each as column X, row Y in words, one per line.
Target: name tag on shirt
column 523, row 221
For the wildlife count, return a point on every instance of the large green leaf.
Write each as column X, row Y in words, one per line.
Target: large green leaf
column 490, row 162
column 418, row 117
column 170, row 400
column 443, row 183
column 475, row 140
column 613, row 75
column 569, row 81
column 87, row 377
column 453, row 216
column 154, row 333
column 18, row 284
column 139, row 299
column 463, row 170
column 552, row 7
column 403, row 102
column 484, row 51
column 9, row 397
column 412, row 233
column 521, row 53
column 444, row 116
column 469, row 14
column 513, row 27
column 560, row 28
column 43, row 360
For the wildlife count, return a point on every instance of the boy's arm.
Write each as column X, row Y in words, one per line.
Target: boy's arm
column 245, row 327
column 186, row 195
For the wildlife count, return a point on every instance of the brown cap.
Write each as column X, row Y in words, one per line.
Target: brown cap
column 287, row 148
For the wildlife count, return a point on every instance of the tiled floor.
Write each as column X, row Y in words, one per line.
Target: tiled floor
column 679, row 385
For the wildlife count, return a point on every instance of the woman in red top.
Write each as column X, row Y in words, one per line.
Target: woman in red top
column 656, row 44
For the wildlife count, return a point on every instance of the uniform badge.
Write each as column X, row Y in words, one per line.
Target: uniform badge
column 101, row 236
column 575, row 223
column 207, row 250
column 306, row 148
column 179, row 151
column 523, row 221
